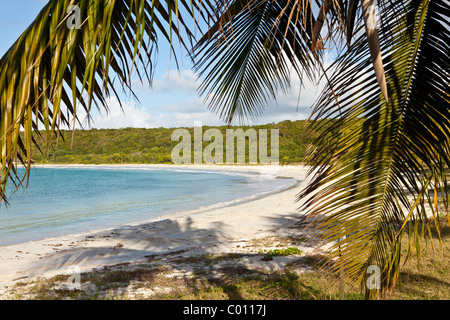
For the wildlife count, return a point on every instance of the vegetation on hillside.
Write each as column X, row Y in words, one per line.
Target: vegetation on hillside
column 138, row 145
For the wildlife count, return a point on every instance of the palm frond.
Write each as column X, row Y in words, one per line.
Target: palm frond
column 246, row 56
column 376, row 174
column 52, row 70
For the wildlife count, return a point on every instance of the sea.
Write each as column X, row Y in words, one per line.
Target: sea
column 66, row 200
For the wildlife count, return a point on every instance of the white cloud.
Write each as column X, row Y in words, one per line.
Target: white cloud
column 129, row 115
column 173, row 80
column 194, row 105
column 183, row 119
column 185, row 80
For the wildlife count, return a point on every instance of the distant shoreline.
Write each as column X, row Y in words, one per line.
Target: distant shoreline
column 212, row 166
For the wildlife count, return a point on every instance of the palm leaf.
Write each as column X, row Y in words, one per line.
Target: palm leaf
column 52, row 70
column 375, row 175
column 350, row 19
column 246, row 56
column 374, row 45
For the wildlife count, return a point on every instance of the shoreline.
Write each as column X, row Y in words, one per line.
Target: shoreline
column 193, row 232
column 231, row 169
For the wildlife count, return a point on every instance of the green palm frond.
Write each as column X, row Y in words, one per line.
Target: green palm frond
column 246, row 56
column 52, row 70
column 387, row 99
column 390, row 158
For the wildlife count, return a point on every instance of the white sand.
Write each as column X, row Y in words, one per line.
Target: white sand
column 216, row 230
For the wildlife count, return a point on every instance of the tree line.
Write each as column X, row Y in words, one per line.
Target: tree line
column 152, row 146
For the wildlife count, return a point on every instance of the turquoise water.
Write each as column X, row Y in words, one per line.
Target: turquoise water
column 66, row 200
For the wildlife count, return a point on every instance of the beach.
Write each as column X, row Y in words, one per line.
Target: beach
column 190, row 233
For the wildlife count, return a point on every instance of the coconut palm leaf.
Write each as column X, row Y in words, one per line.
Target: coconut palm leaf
column 321, row 17
column 376, row 175
column 350, row 19
column 246, row 56
column 58, row 66
column 346, row 18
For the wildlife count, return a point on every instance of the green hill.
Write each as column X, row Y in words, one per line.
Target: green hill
column 135, row 145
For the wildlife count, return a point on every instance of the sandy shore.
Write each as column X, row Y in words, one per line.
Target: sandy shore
column 218, row 230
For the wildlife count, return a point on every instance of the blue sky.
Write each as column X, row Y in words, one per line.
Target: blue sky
column 172, row 101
